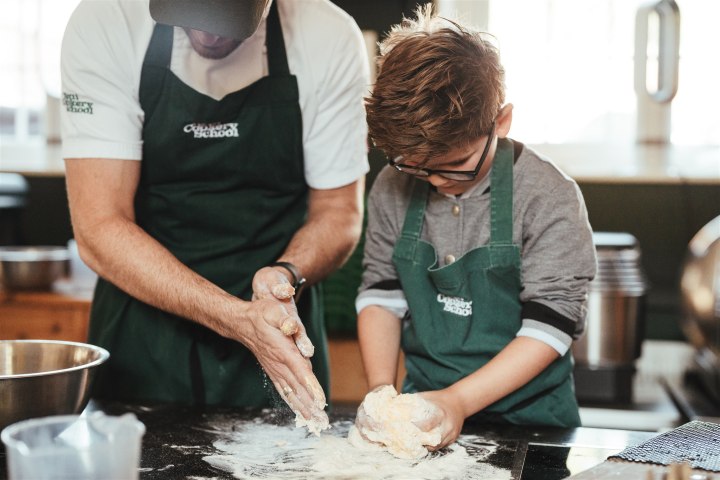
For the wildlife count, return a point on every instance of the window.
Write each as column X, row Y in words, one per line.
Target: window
column 31, row 34
column 569, row 67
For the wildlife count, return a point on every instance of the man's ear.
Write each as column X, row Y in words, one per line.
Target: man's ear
column 504, row 120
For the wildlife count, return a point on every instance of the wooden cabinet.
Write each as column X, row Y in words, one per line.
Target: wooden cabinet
column 347, row 376
column 44, row 315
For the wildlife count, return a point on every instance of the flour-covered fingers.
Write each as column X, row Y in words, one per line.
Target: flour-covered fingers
column 316, row 392
column 271, row 283
column 303, row 343
column 297, row 398
column 282, row 291
column 311, row 396
column 288, row 395
column 293, row 326
column 306, row 398
column 290, row 326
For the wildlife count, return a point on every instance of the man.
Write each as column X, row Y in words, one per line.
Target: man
column 212, row 151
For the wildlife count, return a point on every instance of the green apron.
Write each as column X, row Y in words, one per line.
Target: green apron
column 463, row 314
column 223, row 188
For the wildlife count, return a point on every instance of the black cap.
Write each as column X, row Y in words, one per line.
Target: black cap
column 236, row 19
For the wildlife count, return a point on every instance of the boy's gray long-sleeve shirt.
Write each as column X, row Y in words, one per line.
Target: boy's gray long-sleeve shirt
column 550, row 225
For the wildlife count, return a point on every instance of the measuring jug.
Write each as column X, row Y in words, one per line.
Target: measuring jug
column 92, row 447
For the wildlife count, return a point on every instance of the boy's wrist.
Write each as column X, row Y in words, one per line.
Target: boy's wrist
column 462, row 400
column 373, row 386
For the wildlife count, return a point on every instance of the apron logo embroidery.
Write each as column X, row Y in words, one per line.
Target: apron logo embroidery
column 212, row 130
column 456, row 305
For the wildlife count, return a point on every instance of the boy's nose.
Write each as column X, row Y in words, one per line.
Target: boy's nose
column 436, row 180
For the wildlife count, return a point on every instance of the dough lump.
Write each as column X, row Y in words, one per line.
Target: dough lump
column 393, row 418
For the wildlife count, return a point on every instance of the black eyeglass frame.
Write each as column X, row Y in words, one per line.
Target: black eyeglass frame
column 455, row 175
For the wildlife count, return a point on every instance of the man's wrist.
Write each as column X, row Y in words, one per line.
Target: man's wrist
column 296, row 278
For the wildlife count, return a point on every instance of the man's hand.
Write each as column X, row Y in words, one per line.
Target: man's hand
column 448, row 416
column 269, row 283
column 280, row 343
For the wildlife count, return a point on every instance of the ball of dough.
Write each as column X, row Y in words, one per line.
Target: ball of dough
column 395, row 417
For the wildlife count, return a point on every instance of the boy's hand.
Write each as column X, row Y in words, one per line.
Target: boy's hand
column 448, row 416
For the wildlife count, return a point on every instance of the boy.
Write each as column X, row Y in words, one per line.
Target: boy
column 478, row 250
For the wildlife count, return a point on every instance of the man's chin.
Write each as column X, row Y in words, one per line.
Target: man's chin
column 216, row 53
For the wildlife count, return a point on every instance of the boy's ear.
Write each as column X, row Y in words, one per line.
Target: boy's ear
column 504, row 120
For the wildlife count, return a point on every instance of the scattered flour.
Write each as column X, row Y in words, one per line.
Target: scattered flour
column 391, row 422
column 259, row 450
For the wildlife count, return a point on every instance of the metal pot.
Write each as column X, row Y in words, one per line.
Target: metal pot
column 605, row 356
column 616, row 304
column 39, row 378
column 32, row 268
column 613, row 336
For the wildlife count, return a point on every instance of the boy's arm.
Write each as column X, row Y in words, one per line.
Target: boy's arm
column 514, row 366
column 379, row 338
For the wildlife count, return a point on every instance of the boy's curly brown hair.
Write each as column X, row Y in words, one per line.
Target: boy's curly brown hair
column 439, row 87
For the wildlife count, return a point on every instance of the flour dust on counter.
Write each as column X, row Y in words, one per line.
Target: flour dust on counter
column 259, row 449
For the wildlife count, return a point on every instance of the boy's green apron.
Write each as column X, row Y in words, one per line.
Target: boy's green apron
column 223, row 188
column 463, row 314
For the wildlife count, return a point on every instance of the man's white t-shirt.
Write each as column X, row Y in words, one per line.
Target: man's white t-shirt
column 104, row 47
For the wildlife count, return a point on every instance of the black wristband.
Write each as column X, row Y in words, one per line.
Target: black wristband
column 298, row 280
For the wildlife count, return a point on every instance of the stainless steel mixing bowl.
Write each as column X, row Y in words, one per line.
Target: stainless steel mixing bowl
column 32, row 268
column 39, row 378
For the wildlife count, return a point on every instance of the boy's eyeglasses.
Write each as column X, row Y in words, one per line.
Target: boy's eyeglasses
column 457, row 175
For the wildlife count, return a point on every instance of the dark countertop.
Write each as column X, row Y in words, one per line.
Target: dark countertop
column 178, row 438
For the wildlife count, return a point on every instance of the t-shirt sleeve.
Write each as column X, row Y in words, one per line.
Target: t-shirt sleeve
column 335, row 143
column 100, row 68
column 558, row 264
column 380, row 285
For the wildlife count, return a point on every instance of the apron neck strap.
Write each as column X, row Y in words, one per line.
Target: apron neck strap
column 415, row 215
column 159, row 50
column 501, row 199
column 501, row 194
column 276, row 55
column 156, row 63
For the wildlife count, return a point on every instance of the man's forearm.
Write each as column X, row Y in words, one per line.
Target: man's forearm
column 330, row 233
column 121, row 252
column 101, row 192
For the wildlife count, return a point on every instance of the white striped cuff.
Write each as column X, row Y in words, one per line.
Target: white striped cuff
column 398, row 306
column 544, row 337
